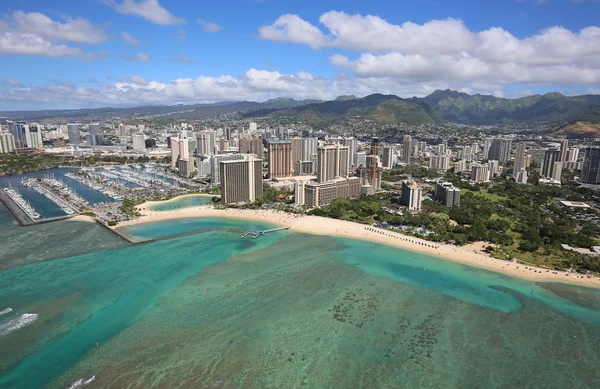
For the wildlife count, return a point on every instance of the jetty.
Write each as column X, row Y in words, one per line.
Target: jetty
column 256, row 234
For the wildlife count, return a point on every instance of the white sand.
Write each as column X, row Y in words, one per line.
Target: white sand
column 470, row 255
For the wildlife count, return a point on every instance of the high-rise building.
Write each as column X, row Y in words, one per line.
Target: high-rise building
column 521, row 176
column 215, row 161
column 361, row 159
column 519, row 159
column 411, row 195
column 302, row 168
column 139, row 142
column 253, row 128
column 573, row 154
column 500, row 150
column 474, row 148
column 590, row 172
column 18, row 131
column 494, row 168
column 74, row 134
column 564, row 150
column 7, row 143
column 33, row 135
column 551, row 157
column 439, row 162
column 296, row 149
column 332, row 162
column 252, row 146
column 205, row 143
column 447, row 194
column 406, row 149
column 202, row 167
column 186, row 167
column 280, row 159
column 387, row 157
column 467, row 153
column 460, row 166
column 352, row 144
column 223, row 145
column 241, row 180
column 174, row 142
column 94, row 129
column 309, row 149
column 487, row 144
column 480, row 172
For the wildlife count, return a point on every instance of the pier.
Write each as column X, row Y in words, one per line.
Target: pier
column 123, row 236
column 256, row 234
column 12, row 208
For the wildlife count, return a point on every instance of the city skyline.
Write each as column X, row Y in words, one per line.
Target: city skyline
column 132, row 52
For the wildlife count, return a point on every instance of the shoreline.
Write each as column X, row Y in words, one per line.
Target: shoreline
column 318, row 225
column 146, row 206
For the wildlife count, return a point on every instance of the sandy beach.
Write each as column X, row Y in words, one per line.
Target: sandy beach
column 470, row 255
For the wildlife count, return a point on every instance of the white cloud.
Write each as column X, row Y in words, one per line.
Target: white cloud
column 31, row 44
column 130, row 39
column 139, row 57
column 36, row 34
column 148, row 9
column 254, row 85
column 446, row 51
column 180, row 35
column 209, row 26
column 183, row 59
column 12, row 82
column 72, row 30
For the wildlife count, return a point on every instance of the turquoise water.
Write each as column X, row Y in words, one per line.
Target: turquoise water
column 182, row 202
column 203, row 308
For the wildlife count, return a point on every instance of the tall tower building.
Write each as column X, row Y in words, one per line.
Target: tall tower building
column 253, row 128
column 564, row 150
column 18, row 131
column 440, row 162
column 352, row 144
column 205, row 143
column 480, row 172
column 551, row 157
column 406, row 148
column 7, row 143
column 387, row 157
column 494, row 168
column 411, row 195
column 139, row 142
column 33, row 135
column 280, row 159
column 241, row 180
column 500, row 150
column 590, row 172
column 519, row 159
column 309, row 149
column 296, row 149
column 332, row 162
column 74, row 135
column 174, row 151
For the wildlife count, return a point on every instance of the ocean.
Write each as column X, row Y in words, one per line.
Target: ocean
column 201, row 308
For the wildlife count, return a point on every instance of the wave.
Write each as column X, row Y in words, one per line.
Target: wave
column 80, row 383
column 17, row 323
column 5, row 311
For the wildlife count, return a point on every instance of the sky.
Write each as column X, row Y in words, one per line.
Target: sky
column 96, row 53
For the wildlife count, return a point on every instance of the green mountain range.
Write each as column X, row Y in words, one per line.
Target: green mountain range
column 481, row 109
column 440, row 106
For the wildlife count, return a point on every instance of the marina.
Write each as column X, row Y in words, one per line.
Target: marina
column 23, row 204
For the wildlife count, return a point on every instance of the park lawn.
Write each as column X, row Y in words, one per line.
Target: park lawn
column 484, row 193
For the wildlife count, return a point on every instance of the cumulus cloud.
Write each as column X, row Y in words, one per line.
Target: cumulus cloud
column 36, row 34
column 148, row 9
column 135, row 90
column 446, row 51
column 209, row 26
column 71, row 30
column 130, row 39
column 183, row 59
column 139, row 57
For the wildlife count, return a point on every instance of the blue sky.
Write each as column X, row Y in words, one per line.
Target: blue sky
column 89, row 53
